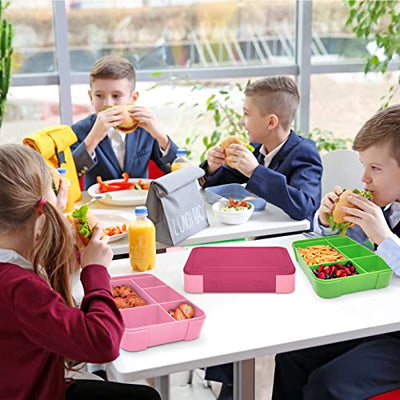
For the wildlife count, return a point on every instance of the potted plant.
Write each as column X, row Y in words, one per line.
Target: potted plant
column 6, row 50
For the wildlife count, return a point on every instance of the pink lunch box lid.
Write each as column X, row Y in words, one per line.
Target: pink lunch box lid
column 239, row 269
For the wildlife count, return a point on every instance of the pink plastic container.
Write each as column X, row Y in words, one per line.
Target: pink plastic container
column 151, row 325
column 239, row 269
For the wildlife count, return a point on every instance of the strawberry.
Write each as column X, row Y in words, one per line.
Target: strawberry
column 179, row 315
column 187, row 309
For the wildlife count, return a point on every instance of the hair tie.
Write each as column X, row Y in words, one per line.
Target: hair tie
column 40, row 204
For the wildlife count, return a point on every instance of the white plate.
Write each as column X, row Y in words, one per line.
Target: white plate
column 131, row 197
column 111, row 218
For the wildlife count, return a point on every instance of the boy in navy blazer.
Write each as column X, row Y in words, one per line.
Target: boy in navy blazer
column 285, row 169
column 104, row 151
column 360, row 368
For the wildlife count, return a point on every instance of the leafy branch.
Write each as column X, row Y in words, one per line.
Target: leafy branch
column 378, row 20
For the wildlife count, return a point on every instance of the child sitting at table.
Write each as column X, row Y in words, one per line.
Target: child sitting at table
column 285, row 169
column 40, row 326
column 102, row 150
column 361, row 368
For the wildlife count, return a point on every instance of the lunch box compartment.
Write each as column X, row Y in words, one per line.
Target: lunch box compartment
column 373, row 272
column 133, row 285
column 148, row 281
column 162, row 294
column 151, row 325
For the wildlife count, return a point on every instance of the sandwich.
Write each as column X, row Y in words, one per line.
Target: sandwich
column 336, row 217
column 55, row 179
column 129, row 124
column 233, row 140
column 84, row 223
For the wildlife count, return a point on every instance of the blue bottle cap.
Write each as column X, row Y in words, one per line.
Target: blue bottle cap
column 141, row 210
column 62, row 171
column 181, row 152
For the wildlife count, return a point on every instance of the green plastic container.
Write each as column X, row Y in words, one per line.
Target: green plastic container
column 373, row 272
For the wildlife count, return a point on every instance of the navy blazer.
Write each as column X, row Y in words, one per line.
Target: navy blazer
column 291, row 182
column 140, row 148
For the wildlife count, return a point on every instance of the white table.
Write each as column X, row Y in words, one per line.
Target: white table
column 242, row 326
column 271, row 221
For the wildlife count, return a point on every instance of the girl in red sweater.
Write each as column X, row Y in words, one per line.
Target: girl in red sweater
column 40, row 328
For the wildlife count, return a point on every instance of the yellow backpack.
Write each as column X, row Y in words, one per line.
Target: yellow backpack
column 53, row 144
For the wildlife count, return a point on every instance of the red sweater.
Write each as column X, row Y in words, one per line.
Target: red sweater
column 37, row 330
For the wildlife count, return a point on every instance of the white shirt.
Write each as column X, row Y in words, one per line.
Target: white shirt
column 117, row 139
column 394, row 214
column 268, row 157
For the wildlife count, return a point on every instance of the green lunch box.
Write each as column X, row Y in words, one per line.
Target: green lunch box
column 373, row 272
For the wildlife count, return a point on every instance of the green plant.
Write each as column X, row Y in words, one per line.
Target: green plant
column 6, row 50
column 380, row 19
column 327, row 141
column 226, row 118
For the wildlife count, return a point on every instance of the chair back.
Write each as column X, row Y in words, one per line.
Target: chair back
column 343, row 168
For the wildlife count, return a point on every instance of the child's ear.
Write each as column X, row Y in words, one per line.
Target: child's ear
column 135, row 96
column 90, row 96
column 273, row 121
column 39, row 226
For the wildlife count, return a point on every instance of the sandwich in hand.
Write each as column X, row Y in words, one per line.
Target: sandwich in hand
column 55, row 179
column 129, row 124
column 233, row 140
column 84, row 223
column 336, row 217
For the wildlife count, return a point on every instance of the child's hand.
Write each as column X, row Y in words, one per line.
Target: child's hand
column 109, row 118
column 148, row 121
column 368, row 216
column 327, row 204
column 242, row 159
column 97, row 251
column 215, row 158
column 62, row 195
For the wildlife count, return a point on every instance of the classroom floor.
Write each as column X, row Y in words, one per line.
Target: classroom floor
column 199, row 390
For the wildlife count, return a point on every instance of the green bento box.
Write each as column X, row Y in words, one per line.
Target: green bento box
column 373, row 272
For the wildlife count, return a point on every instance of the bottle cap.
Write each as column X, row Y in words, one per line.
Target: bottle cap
column 62, row 171
column 181, row 152
column 141, row 210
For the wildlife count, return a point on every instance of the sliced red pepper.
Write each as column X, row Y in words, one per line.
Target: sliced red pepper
column 114, row 186
column 125, row 175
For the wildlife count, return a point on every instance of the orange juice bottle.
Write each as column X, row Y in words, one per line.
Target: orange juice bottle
column 180, row 161
column 142, row 241
column 70, row 201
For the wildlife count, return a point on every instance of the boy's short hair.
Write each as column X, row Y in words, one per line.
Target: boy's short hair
column 382, row 128
column 113, row 67
column 276, row 95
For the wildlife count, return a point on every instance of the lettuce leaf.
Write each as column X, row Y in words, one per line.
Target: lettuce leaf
column 80, row 214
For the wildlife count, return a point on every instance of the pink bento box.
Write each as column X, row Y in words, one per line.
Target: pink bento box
column 239, row 269
column 151, row 325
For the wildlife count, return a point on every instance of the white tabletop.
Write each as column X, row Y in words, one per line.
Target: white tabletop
column 271, row 221
column 241, row 326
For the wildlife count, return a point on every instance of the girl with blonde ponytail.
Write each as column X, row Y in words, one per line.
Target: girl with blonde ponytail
column 39, row 326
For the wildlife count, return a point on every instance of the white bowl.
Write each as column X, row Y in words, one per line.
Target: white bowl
column 232, row 217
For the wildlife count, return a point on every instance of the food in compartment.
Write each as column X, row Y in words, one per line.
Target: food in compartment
column 183, row 311
column 335, row 271
column 320, row 254
column 126, row 297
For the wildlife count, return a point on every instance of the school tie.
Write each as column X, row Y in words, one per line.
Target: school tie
column 393, row 215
